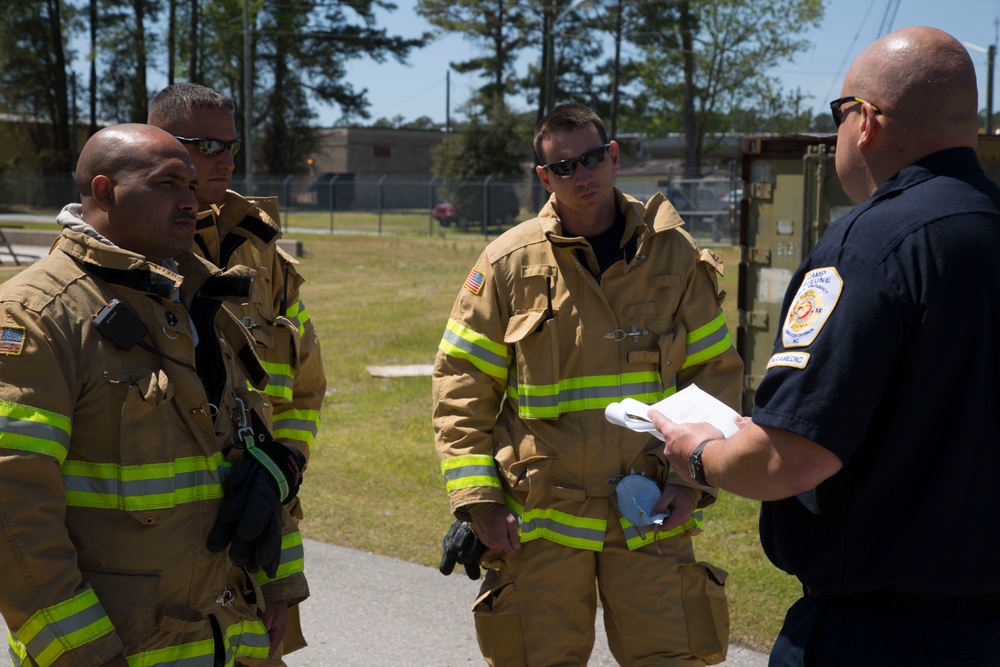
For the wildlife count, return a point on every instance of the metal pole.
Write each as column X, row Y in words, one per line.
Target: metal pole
column 380, row 182
column 284, row 195
column 331, row 202
column 247, row 103
column 550, row 73
column 430, row 206
column 991, row 62
column 486, row 206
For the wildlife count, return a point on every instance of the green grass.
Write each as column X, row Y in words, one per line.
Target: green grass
column 374, row 482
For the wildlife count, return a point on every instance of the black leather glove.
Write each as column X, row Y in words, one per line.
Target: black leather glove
column 461, row 546
column 283, row 463
column 249, row 520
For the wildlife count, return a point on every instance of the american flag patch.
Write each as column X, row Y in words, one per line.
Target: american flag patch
column 11, row 340
column 474, row 283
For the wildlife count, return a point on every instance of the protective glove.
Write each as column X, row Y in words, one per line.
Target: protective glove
column 461, row 546
column 283, row 463
column 249, row 520
column 250, row 515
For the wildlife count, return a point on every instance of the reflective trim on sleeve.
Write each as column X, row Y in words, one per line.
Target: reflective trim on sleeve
column 707, row 341
column 636, row 537
column 65, row 626
column 292, row 559
column 279, row 384
column 246, row 639
column 151, row 486
column 30, row 429
column 487, row 355
column 559, row 527
column 469, row 471
column 297, row 313
column 584, row 393
column 296, row 425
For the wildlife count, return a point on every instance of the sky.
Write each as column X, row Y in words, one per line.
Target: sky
column 420, row 87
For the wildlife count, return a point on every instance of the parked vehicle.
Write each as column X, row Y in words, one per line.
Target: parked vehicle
column 446, row 213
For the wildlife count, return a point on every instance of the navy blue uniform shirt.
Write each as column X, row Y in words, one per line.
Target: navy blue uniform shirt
column 888, row 357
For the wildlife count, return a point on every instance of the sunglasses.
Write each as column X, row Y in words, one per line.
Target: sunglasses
column 590, row 160
column 838, row 113
column 212, row 147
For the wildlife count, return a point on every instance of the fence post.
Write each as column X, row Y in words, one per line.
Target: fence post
column 330, row 202
column 284, row 197
column 381, row 180
column 430, row 206
column 486, row 206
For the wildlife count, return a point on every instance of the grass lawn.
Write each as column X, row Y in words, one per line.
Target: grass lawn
column 374, row 481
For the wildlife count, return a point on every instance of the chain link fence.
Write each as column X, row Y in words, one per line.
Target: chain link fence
column 415, row 205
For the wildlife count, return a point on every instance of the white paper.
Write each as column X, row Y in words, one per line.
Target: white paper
column 689, row 405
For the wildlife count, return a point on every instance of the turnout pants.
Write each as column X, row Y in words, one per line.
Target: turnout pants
column 538, row 609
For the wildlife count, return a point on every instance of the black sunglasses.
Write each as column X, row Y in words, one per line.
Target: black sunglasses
column 838, row 114
column 590, row 160
column 212, row 147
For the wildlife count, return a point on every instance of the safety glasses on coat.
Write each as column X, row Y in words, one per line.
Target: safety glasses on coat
column 590, row 160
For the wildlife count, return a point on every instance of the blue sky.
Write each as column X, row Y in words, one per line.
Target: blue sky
column 419, row 88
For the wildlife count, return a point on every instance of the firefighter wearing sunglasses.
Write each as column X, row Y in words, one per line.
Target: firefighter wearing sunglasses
column 235, row 230
column 599, row 298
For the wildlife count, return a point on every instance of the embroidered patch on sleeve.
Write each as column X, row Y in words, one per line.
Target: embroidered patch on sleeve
column 11, row 340
column 813, row 304
column 474, row 283
column 790, row 359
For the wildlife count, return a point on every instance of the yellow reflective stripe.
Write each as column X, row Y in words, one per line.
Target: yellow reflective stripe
column 635, row 538
column 246, row 639
column 559, row 527
column 292, row 559
column 65, row 626
column 707, row 341
column 30, row 429
column 16, row 649
column 297, row 313
column 150, row 486
column 593, row 392
column 296, row 425
column 488, row 356
column 280, row 380
column 174, row 655
column 470, row 470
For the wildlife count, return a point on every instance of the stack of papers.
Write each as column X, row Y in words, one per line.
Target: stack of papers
column 689, row 405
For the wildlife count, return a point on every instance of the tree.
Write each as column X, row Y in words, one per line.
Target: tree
column 301, row 52
column 501, row 27
column 492, row 143
column 33, row 79
column 125, row 46
column 702, row 60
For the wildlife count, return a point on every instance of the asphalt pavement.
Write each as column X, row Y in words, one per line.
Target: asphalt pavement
column 369, row 611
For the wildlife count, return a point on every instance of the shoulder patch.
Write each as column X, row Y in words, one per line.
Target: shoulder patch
column 790, row 359
column 812, row 306
column 11, row 340
column 474, row 283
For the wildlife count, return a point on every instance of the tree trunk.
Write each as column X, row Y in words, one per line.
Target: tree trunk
column 140, row 92
column 60, row 92
column 692, row 154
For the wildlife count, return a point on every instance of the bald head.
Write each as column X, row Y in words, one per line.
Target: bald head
column 921, row 84
column 924, row 81
column 137, row 189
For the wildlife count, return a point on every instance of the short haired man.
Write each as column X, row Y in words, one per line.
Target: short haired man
column 234, row 231
column 598, row 298
column 873, row 443
column 121, row 373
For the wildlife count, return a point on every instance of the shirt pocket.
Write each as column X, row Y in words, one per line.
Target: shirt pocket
column 278, row 349
column 148, row 443
column 535, row 337
column 671, row 346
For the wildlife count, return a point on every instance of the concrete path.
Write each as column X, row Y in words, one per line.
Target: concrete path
column 370, row 611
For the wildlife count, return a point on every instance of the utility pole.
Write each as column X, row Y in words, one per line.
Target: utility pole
column 247, row 100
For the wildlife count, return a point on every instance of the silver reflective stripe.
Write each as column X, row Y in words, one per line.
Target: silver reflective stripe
column 33, row 429
column 474, row 350
column 47, row 634
column 459, row 472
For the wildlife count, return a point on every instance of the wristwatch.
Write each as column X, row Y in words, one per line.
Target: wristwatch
column 695, row 466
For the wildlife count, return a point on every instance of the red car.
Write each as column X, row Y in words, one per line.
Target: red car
column 446, row 213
